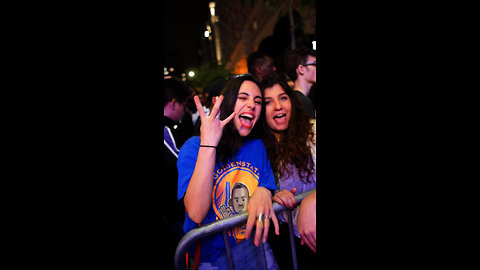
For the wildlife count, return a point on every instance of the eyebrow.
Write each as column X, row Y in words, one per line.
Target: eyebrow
column 239, row 93
column 279, row 95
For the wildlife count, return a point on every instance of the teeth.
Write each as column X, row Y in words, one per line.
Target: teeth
column 248, row 116
column 278, row 116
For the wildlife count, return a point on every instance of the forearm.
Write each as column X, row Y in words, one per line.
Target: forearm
column 307, row 225
column 311, row 200
column 198, row 197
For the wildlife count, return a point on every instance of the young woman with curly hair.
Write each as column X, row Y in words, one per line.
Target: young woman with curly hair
column 289, row 138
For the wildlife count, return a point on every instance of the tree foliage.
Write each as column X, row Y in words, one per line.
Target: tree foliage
column 207, row 73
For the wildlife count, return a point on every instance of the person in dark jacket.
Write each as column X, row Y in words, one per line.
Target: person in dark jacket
column 175, row 98
column 301, row 67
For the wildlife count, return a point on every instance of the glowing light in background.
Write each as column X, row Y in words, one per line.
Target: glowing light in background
column 211, row 5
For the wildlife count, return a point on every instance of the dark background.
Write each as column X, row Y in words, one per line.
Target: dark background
column 183, row 27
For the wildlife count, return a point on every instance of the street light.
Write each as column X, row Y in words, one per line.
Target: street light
column 208, row 32
column 216, row 32
column 211, row 5
column 191, row 74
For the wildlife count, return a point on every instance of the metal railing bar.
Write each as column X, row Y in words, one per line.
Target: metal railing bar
column 263, row 256
column 292, row 241
column 229, row 250
column 218, row 226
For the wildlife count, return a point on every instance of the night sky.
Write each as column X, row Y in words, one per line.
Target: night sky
column 184, row 24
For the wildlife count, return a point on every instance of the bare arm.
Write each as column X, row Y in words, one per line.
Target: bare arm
column 307, row 221
column 198, row 197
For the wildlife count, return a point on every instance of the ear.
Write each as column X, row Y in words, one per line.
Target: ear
column 258, row 69
column 169, row 105
column 174, row 104
column 300, row 70
column 230, row 202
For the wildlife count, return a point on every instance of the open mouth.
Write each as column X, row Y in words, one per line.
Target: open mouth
column 280, row 118
column 246, row 119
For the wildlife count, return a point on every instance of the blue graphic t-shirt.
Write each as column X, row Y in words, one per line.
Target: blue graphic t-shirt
column 233, row 185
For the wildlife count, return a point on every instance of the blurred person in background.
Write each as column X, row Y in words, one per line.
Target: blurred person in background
column 212, row 91
column 186, row 125
column 260, row 65
column 301, row 68
column 175, row 98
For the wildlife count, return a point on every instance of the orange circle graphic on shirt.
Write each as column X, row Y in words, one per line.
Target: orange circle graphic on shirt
column 222, row 189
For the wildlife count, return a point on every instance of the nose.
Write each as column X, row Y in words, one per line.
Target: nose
column 251, row 103
column 276, row 105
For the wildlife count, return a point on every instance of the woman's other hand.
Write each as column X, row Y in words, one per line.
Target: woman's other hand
column 286, row 198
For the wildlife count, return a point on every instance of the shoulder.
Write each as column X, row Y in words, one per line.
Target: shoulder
column 300, row 96
column 195, row 140
column 190, row 144
column 254, row 143
column 298, row 93
column 254, row 149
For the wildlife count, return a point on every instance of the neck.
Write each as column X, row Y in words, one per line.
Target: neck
column 277, row 136
column 302, row 86
column 168, row 113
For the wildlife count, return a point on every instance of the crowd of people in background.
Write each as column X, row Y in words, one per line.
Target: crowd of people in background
column 239, row 145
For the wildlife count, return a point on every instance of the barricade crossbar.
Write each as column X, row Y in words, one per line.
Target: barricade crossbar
column 220, row 225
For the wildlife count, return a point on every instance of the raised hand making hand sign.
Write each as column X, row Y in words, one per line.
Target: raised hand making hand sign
column 212, row 127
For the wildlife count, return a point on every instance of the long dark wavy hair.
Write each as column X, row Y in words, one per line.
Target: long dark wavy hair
column 293, row 146
column 231, row 140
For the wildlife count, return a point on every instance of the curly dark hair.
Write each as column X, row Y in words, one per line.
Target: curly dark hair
column 293, row 146
column 231, row 141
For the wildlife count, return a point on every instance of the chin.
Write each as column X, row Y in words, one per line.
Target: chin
column 279, row 129
column 244, row 132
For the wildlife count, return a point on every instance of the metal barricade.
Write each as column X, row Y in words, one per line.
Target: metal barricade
column 221, row 226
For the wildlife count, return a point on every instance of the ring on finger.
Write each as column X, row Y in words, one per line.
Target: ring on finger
column 261, row 217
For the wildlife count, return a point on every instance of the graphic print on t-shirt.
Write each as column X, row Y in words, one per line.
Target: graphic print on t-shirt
column 234, row 184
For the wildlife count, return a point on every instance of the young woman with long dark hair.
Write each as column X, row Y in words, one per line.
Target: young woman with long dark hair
column 225, row 171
